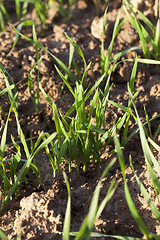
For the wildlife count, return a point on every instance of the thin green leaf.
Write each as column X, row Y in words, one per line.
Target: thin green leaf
column 3, row 236
column 18, row 31
column 146, row 195
column 131, row 205
column 62, row 65
column 67, row 220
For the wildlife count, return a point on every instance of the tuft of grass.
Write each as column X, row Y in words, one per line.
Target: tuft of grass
column 106, row 61
column 10, row 187
column 146, row 40
column 78, row 141
column 40, row 6
column 79, row 134
column 42, row 11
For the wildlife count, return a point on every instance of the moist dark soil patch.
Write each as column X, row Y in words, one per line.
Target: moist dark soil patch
column 40, row 211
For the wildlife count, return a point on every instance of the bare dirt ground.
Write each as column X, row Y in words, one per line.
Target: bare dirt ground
column 40, row 212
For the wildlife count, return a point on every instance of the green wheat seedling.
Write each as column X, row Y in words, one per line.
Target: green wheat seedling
column 3, row 15
column 81, row 140
column 21, row 13
column 9, row 88
column 2, row 153
column 130, row 203
column 106, row 60
column 18, row 10
column 83, row 78
column 67, row 14
column 71, row 52
column 34, row 94
column 151, row 162
column 40, row 6
column 145, row 38
column 3, row 92
column 127, row 110
column 85, row 231
column 41, row 9
column 80, row 132
column 61, row 64
column 10, row 188
column 18, row 30
column 56, row 154
column 94, row 211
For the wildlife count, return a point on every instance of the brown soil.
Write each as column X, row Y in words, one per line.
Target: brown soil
column 40, row 212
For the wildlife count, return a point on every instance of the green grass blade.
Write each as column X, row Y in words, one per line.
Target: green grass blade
column 80, row 103
column 35, row 40
column 6, row 90
column 46, row 96
column 147, row 61
column 26, row 166
column 157, row 34
column 147, row 21
column 3, row 236
column 24, row 10
column 102, row 43
column 133, row 75
column 2, row 22
column 3, row 11
column 6, row 72
column 4, row 135
column 136, row 25
column 67, row 220
column 34, row 97
column 53, row 163
column 150, row 40
column 77, row 48
column 84, row 77
column 131, row 205
column 71, row 53
column 88, row 223
column 146, row 195
column 154, row 144
column 148, row 122
column 94, row 100
column 56, row 120
column 131, row 85
column 107, row 198
column 125, row 130
column 147, row 152
column 61, row 64
column 123, row 108
column 46, row 142
column 17, row 4
column 18, row 30
column 65, row 81
column 94, row 87
column 22, row 138
column 122, row 53
column 107, row 60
